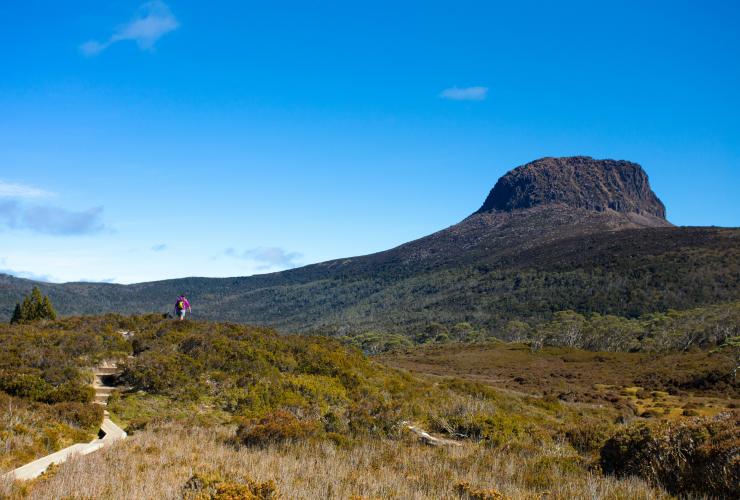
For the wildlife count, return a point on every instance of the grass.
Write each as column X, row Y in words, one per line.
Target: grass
column 223, row 410
column 159, row 462
column 29, row 430
column 629, row 382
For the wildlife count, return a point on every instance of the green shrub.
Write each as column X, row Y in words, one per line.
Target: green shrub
column 496, row 429
column 24, row 385
column 72, row 391
column 82, row 415
column 698, row 456
column 589, row 435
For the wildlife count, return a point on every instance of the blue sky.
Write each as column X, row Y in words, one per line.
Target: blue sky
column 143, row 141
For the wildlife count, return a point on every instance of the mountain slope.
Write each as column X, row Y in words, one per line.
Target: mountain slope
column 558, row 233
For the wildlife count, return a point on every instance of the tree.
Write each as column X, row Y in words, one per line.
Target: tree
column 17, row 316
column 35, row 306
column 46, row 309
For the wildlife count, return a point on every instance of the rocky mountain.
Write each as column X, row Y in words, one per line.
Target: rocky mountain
column 555, row 234
column 578, row 182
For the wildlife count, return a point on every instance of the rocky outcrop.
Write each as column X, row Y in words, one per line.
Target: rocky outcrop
column 577, row 182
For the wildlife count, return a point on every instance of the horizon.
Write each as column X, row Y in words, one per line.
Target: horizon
column 145, row 141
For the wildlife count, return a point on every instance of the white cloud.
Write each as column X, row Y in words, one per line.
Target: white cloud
column 13, row 190
column 465, row 93
column 152, row 22
column 269, row 257
column 52, row 220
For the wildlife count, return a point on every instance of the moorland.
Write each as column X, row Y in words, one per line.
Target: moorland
column 217, row 407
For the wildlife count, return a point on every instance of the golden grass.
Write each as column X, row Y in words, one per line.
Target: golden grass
column 616, row 379
column 157, row 463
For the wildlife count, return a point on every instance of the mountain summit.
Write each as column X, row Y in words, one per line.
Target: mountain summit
column 576, row 182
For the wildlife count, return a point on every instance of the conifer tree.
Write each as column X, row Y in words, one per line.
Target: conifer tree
column 37, row 301
column 35, row 306
column 46, row 310
column 17, row 316
column 27, row 310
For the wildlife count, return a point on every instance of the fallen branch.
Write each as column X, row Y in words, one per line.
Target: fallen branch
column 427, row 438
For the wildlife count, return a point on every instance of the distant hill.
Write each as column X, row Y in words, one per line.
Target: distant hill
column 555, row 234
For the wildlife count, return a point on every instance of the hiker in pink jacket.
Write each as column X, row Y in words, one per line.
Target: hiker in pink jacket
column 181, row 306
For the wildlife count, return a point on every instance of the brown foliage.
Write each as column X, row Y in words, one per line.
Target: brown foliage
column 213, row 487
column 698, row 456
column 276, row 427
column 468, row 492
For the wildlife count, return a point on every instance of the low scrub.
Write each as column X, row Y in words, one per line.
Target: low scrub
column 469, row 492
column 589, row 435
column 277, row 427
column 84, row 416
column 698, row 456
column 214, row 487
column 29, row 429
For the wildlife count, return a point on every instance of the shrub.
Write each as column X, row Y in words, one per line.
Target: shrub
column 588, row 436
column 496, row 429
column 71, row 391
column 24, row 385
column 468, row 492
column 213, row 487
column 79, row 414
column 276, row 427
column 697, row 456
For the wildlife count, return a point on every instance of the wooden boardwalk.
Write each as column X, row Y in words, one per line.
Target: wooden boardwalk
column 109, row 431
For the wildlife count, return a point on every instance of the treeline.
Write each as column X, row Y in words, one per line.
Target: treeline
column 623, row 273
column 701, row 327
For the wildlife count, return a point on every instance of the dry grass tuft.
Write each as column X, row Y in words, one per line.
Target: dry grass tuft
column 159, row 462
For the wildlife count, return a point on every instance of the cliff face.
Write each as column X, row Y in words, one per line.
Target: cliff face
column 577, row 182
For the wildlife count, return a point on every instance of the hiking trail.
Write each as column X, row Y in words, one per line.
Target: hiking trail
column 109, row 432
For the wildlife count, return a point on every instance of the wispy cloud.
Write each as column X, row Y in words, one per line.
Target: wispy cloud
column 465, row 93
column 105, row 280
column 24, row 274
column 28, row 275
column 269, row 257
column 159, row 248
column 15, row 190
column 51, row 220
column 153, row 20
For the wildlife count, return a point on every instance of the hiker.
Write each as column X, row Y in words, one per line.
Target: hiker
column 181, row 305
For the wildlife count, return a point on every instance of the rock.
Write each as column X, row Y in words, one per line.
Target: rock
column 577, row 182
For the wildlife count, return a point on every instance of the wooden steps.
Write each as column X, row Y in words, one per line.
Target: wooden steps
column 109, row 431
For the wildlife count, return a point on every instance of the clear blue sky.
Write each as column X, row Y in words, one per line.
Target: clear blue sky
column 142, row 141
